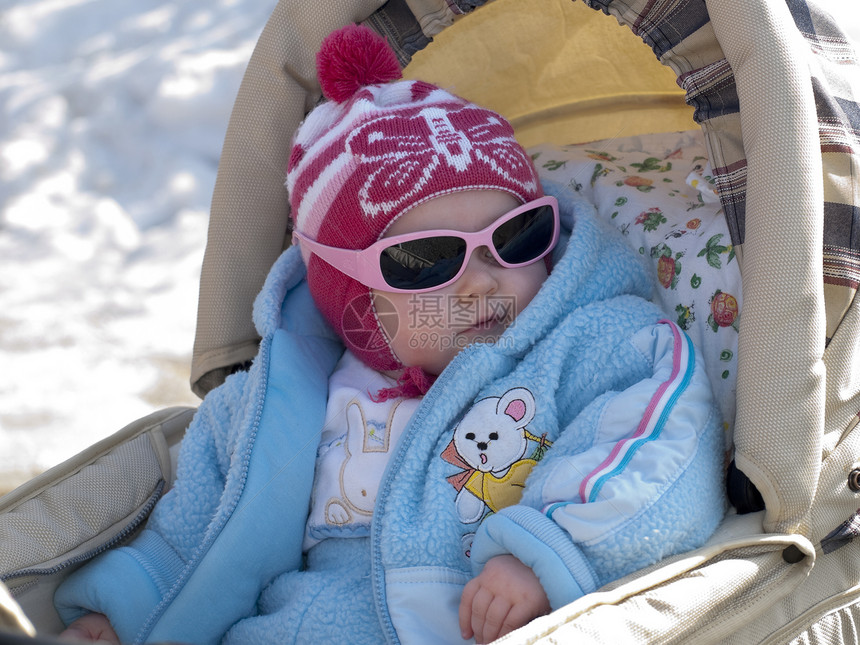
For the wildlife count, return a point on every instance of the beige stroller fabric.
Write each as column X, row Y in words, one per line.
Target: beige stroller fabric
column 790, row 574
column 786, row 466
column 249, row 206
column 65, row 516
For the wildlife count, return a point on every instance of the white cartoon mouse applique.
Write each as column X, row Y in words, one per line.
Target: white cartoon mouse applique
column 490, row 445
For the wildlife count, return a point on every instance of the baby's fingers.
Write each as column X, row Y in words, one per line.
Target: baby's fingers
column 465, row 613
column 494, row 621
column 91, row 627
column 475, row 604
column 517, row 616
column 488, row 616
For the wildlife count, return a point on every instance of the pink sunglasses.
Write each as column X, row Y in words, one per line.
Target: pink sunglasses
column 429, row 260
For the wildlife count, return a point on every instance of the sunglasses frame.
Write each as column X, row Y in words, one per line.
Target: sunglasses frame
column 363, row 264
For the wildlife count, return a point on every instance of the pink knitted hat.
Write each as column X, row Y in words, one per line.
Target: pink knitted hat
column 376, row 149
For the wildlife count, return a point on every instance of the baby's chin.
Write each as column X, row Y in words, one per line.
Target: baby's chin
column 453, row 343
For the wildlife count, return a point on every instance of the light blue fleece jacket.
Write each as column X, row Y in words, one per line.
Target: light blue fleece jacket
column 584, row 441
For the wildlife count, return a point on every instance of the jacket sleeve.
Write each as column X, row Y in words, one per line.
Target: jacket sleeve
column 127, row 583
column 649, row 484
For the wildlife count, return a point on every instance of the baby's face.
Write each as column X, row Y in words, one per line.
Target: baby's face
column 429, row 329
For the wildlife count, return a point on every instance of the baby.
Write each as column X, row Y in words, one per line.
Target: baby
column 497, row 440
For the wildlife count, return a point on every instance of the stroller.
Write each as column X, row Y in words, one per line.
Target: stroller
column 774, row 88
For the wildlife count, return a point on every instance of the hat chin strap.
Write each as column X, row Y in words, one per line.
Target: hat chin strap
column 413, row 382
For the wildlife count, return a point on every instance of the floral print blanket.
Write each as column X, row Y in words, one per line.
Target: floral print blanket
column 658, row 190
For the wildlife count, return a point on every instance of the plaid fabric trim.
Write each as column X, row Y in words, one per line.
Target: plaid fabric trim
column 409, row 25
column 842, row 534
column 731, row 183
column 711, row 91
column 833, row 73
column 842, row 266
column 395, row 22
column 673, row 29
column 662, row 24
column 465, row 6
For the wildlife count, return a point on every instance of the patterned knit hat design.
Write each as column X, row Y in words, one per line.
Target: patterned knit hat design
column 376, row 149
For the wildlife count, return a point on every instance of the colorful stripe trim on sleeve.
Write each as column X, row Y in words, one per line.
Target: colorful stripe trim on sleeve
column 652, row 422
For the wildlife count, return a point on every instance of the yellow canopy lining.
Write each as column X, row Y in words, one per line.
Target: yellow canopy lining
column 574, row 78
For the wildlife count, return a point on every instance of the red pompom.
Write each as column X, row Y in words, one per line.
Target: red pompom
column 353, row 57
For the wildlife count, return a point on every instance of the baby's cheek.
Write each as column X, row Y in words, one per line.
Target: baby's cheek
column 529, row 283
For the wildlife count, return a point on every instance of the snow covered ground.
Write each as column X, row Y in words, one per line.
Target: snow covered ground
column 113, row 116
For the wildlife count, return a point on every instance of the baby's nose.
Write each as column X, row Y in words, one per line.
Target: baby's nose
column 479, row 277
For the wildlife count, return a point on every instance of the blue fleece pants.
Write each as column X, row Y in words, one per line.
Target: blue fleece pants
column 331, row 601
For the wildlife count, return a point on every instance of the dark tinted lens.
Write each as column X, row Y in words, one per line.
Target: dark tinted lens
column 424, row 263
column 526, row 236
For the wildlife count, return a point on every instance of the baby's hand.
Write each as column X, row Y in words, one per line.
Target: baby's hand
column 505, row 596
column 92, row 627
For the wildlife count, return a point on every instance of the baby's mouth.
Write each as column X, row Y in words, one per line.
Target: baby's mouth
column 483, row 458
column 490, row 328
column 488, row 323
